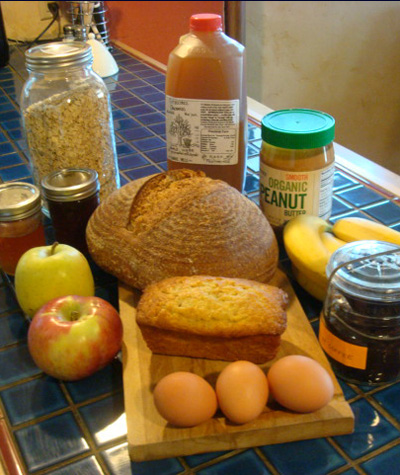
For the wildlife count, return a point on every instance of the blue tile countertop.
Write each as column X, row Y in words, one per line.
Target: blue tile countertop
column 47, row 426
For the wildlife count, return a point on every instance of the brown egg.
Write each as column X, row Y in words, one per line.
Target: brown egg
column 185, row 399
column 300, row 383
column 242, row 391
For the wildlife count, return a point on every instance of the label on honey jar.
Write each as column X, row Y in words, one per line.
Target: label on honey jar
column 286, row 194
column 202, row 131
column 346, row 353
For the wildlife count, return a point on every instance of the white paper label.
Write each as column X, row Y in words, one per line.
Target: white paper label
column 202, row 131
column 287, row 194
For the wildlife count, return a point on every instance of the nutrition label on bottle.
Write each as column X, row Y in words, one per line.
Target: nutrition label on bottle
column 287, row 194
column 202, row 131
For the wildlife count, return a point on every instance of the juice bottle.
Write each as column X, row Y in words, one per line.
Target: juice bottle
column 206, row 102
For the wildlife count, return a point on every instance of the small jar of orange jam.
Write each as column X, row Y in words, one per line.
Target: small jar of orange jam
column 21, row 226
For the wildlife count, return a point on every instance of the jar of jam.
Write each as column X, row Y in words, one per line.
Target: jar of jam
column 72, row 195
column 296, row 165
column 21, row 226
column 360, row 322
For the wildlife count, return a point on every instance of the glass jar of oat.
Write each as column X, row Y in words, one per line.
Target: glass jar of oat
column 67, row 114
column 297, row 165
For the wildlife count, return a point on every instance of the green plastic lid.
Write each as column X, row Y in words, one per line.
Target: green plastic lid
column 298, row 128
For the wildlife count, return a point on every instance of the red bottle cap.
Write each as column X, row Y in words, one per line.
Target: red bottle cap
column 206, row 22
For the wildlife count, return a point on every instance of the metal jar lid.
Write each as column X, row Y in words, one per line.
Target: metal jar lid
column 57, row 55
column 70, row 184
column 368, row 270
column 18, row 200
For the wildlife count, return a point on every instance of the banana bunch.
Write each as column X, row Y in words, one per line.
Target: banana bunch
column 309, row 242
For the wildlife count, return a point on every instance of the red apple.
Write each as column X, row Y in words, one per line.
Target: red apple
column 72, row 337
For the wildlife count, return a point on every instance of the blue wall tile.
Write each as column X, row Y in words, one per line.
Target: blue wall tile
column 142, row 172
column 387, row 213
column 246, row 462
column 149, row 144
column 372, row 431
column 13, row 328
column 311, row 457
column 87, row 466
column 118, row 462
column 361, row 196
column 33, row 399
column 101, row 383
column 127, row 162
column 386, row 463
column 106, row 419
column 16, row 364
column 198, row 459
column 389, row 398
column 15, row 173
column 51, row 441
column 136, row 133
column 10, row 159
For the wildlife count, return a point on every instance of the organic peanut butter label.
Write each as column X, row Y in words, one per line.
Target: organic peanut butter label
column 348, row 354
column 287, row 194
column 202, row 131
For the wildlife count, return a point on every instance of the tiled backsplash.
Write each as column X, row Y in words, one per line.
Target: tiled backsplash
column 77, row 428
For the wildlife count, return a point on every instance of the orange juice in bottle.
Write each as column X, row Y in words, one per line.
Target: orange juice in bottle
column 206, row 102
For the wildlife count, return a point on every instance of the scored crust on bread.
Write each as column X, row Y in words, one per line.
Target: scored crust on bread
column 181, row 223
column 213, row 317
column 152, row 194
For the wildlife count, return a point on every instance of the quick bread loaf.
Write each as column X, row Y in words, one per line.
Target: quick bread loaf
column 213, row 317
column 181, row 223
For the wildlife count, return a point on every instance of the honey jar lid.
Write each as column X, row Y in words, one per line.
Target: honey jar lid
column 18, row 200
column 367, row 269
column 70, row 184
column 298, row 129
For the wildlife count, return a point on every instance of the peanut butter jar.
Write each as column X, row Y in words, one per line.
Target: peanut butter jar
column 296, row 165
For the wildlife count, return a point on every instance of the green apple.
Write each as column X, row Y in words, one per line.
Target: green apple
column 46, row 272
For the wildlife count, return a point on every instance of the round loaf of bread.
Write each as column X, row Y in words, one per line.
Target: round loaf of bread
column 181, row 223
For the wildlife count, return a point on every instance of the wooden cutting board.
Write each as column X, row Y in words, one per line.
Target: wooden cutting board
column 151, row 437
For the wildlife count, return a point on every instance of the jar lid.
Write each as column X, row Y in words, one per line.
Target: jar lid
column 58, row 55
column 373, row 277
column 206, row 22
column 298, row 128
column 18, row 200
column 70, row 184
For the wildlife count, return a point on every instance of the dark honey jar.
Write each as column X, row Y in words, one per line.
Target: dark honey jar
column 360, row 322
column 72, row 195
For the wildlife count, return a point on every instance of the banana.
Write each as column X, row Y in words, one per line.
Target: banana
column 317, row 289
column 331, row 242
column 309, row 245
column 358, row 229
column 304, row 246
column 309, row 242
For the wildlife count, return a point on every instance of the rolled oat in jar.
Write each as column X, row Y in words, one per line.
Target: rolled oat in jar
column 297, row 165
column 67, row 114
